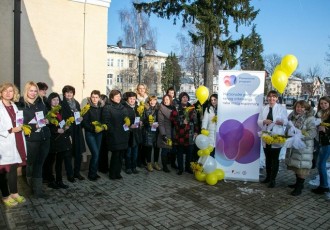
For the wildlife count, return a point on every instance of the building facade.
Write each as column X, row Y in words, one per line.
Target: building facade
column 123, row 69
column 62, row 42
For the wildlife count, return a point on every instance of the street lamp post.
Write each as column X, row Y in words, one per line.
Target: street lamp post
column 140, row 56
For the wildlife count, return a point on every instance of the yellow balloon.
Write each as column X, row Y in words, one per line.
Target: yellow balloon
column 202, row 94
column 200, row 153
column 219, row 173
column 289, row 64
column 211, row 179
column 200, row 176
column 205, row 132
column 279, row 80
column 278, row 67
column 206, row 152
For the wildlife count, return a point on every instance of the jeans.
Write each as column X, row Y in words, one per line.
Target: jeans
column 131, row 157
column 188, row 150
column 37, row 152
column 323, row 157
column 94, row 144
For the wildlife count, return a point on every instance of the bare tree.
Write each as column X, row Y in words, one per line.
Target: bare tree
column 136, row 28
column 327, row 55
column 271, row 61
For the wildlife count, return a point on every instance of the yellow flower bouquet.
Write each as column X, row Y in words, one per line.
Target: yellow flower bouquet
column 69, row 121
column 85, row 109
column 52, row 114
column 99, row 127
column 187, row 111
column 26, row 129
column 325, row 124
column 272, row 139
column 140, row 108
column 196, row 167
column 151, row 119
column 127, row 121
column 215, row 119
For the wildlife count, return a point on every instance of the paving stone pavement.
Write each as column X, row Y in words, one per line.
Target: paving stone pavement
column 159, row 200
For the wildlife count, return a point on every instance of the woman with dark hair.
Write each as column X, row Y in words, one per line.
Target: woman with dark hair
column 12, row 145
column 60, row 145
column 38, row 141
column 300, row 160
column 164, row 140
column 93, row 132
column 135, row 134
column 69, row 107
column 273, row 115
column 210, row 119
column 113, row 115
column 323, row 112
column 185, row 123
column 150, row 132
column 104, row 158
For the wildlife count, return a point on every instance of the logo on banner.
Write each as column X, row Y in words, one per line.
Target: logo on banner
column 229, row 80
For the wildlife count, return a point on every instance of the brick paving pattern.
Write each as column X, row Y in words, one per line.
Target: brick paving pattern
column 159, row 200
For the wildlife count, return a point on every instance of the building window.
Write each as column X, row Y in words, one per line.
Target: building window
column 118, row 63
column 109, row 79
column 121, row 63
column 130, row 79
column 130, row 64
column 162, row 66
column 119, row 79
column 156, row 65
column 145, row 65
column 108, row 62
column 111, row 62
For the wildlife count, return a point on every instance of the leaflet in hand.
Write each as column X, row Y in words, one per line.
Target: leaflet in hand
column 40, row 119
column 61, row 124
column 137, row 121
column 154, row 126
column 19, row 118
column 76, row 117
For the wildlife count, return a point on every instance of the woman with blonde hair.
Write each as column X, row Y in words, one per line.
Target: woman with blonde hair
column 12, row 145
column 142, row 93
column 38, row 141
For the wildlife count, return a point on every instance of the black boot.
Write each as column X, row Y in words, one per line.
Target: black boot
column 295, row 184
column 164, row 163
column 37, row 188
column 267, row 179
column 299, row 187
column 272, row 184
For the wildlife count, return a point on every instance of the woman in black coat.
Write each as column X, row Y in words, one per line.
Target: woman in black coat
column 38, row 141
column 113, row 115
column 60, row 146
column 69, row 107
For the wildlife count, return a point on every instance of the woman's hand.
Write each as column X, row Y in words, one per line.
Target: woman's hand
column 322, row 128
column 16, row 129
column 267, row 122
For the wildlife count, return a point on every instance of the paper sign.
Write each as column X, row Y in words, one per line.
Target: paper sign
column 137, row 121
column 126, row 128
column 40, row 119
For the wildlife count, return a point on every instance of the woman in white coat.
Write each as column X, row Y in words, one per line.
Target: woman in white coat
column 272, row 117
column 12, row 145
column 210, row 121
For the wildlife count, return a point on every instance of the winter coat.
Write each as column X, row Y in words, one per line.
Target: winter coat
column 113, row 115
column 279, row 113
column 8, row 154
column 302, row 158
column 78, row 141
column 59, row 142
column 29, row 111
column 184, row 133
column 135, row 134
column 165, row 126
column 209, row 125
column 149, row 136
column 93, row 114
column 324, row 137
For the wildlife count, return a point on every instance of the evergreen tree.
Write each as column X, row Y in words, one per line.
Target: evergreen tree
column 211, row 18
column 252, row 48
column 172, row 73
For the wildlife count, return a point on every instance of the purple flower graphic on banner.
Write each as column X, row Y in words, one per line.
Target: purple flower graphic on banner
column 239, row 141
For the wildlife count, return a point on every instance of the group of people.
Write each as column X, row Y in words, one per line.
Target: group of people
column 138, row 130
column 313, row 130
column 47, row 132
